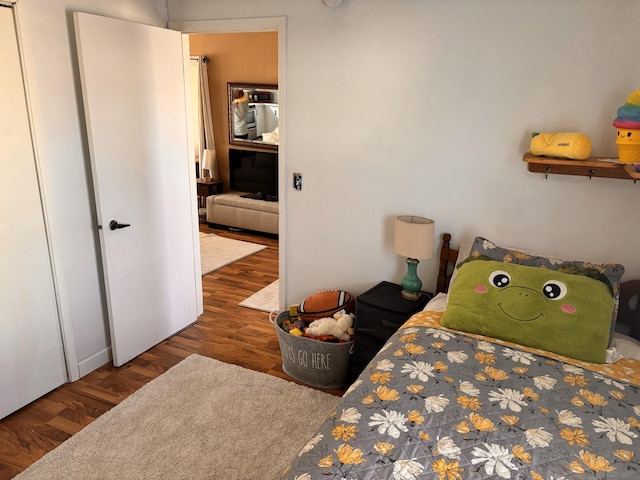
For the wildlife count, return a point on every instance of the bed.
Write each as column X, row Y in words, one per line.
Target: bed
column 442, row 403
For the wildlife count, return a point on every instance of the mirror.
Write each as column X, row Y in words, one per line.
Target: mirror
column 253, row 115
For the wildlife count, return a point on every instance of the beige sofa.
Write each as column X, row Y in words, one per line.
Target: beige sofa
column 232, row 210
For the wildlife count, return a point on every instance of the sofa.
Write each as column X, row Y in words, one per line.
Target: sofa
column 233, row 210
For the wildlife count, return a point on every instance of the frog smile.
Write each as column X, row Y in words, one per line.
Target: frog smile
column 519, row 319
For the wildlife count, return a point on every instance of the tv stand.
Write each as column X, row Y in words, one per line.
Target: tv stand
column 242, row 210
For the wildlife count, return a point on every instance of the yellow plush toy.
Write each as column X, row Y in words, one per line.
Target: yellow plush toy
column 571, row 145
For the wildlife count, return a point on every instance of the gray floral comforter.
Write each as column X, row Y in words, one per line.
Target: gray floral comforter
column 439, row 404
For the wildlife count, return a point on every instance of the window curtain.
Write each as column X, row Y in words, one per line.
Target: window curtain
column 209, row 163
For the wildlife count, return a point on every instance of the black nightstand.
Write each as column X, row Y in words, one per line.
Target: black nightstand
column 379, row 312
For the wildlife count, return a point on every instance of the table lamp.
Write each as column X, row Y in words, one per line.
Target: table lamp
column 414, row 240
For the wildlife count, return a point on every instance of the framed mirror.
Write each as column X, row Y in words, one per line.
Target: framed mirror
column 253, row 115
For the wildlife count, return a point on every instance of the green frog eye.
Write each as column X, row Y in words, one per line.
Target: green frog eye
column 554, row 290
column 499, row 278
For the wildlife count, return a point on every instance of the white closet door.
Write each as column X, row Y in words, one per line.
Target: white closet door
column 31, row 350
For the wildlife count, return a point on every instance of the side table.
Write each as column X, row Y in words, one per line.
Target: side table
column 207, row 187
column 379, row 312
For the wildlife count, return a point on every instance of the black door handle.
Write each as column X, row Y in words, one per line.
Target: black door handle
column 114, row 225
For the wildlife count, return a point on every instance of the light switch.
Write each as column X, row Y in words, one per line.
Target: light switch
column 297, row 181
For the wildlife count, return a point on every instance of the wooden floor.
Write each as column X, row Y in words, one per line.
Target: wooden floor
column 225, row 331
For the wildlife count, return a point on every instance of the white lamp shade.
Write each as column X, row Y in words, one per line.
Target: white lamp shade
column 414, row 236
column 209, row 163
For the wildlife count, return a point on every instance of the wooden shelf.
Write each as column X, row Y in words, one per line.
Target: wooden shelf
column 604, row 167
column 631, row 172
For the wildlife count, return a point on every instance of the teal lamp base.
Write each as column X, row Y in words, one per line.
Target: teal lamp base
column 411, row 284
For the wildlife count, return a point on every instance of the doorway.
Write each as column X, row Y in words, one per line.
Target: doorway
column 268, row 24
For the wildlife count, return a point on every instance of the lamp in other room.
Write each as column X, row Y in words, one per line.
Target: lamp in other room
column 209, row 164
column 414, row 240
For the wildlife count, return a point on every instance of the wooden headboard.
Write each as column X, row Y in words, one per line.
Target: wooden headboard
column 448, row 258
column 628, row 321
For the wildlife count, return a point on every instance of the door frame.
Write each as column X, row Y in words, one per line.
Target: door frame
column 248, row 25
column 35, row 118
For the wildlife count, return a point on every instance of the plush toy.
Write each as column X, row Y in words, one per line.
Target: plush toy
column 566, row 311
column 339, row 326
column 627, row 122
column 571, row 145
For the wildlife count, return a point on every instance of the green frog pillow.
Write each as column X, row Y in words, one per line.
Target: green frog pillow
column 564, row 313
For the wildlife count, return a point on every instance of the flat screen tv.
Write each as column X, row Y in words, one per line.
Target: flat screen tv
column 255, row 173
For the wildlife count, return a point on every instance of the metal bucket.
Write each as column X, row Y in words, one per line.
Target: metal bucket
column 315, row 363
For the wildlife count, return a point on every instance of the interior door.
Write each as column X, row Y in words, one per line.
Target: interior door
column 31, row 350
column 133, row 86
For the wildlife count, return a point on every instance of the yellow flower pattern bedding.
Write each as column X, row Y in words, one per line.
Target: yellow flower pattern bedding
column 441, row 404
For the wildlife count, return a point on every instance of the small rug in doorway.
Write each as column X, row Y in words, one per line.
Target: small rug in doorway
column 266, row 300
column 217, row 252
column 202, row 419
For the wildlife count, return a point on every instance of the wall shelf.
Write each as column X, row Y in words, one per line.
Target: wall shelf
column 604, row 167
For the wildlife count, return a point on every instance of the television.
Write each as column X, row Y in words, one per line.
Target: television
column 255, row 173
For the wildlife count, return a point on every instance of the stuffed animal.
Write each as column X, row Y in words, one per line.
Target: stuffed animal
column 340, row 326
column 572, row 145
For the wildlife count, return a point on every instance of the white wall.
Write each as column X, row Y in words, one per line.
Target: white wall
column 54, row 83
column 426, row 108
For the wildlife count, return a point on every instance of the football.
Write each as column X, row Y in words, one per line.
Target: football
column 325, row 304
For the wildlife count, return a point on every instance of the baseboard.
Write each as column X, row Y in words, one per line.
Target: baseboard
column 88, row 365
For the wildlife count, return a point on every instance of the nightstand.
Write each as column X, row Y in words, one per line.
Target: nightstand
column 379, row 312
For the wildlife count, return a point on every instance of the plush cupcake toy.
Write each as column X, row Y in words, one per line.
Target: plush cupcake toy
column 628, row 124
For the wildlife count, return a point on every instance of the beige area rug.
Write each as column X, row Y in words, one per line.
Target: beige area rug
column 217, row 251
column 202, row 419
column 266, row 300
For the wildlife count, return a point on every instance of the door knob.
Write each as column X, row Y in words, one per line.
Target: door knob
column 114, row 225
